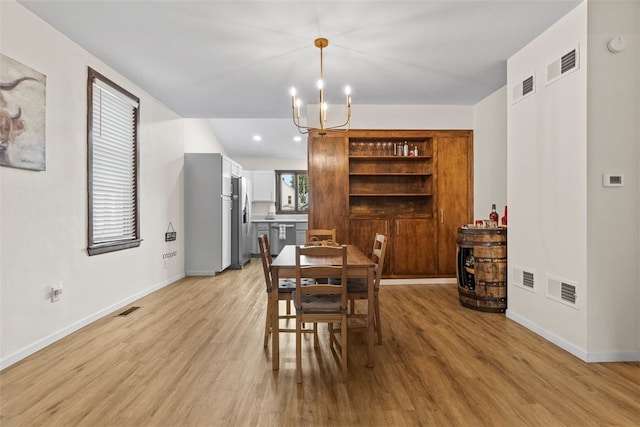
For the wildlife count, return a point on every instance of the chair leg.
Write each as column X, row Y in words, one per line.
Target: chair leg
column 316, row 342
column 267, row 324
column 377, row 322
column 343, row 332
column 331, row 334
column 298, row 350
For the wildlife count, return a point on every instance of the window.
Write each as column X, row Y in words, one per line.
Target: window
column 112, row 142
column 292, row 191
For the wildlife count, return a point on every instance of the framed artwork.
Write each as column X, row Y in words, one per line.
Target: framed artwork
column 22, row 116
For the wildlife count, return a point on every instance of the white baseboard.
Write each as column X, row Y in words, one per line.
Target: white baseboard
column 610, row 356
column 44, row 342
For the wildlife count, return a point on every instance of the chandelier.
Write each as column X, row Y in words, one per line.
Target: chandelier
column 320, row 43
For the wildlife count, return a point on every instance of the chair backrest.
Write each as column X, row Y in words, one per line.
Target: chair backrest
column 265, row 255
column 320, row 234
column 326, row 262
column 378, row 255
column 267, row 247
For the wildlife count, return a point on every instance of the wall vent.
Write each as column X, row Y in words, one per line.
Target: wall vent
column 523, row 89
column 128, row 311
column 527, row 279
column 524, row 278
column 563, row 291
column 566, row 64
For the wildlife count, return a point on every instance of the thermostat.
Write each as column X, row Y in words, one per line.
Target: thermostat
column 612, row 180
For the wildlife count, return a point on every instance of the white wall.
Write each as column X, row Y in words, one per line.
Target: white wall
column 547, row 192
column 613, row 140
column 490, row 154
column 44, row 214
column 562, row 222
column 412, row 117
column 200, row 138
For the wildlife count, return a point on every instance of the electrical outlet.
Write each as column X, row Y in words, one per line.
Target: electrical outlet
column 56, row 292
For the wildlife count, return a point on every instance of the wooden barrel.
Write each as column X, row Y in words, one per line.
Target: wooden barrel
column 482, row 283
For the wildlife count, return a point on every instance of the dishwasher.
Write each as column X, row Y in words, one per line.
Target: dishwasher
column 280, row 235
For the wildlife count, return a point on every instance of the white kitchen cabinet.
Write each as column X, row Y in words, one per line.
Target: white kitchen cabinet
column 208, row 202
column 264, row 186
column 301, row 233
column 259, row 228
column 236, row 170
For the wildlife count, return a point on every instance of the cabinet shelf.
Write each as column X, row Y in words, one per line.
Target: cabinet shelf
column 390, row 174
column 407, row 158
column 389, row 195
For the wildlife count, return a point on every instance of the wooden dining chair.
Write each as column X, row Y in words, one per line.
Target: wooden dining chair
column 357, row 288
column 285, row 289
column 321, row 302
column 319, row 235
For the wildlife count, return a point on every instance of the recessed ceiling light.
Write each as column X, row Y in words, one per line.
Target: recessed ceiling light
column 297, row 138
column 257, row 138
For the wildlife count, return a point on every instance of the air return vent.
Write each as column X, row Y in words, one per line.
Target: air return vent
column 524, row 278
column 523, row 89
column 563, row 291
column 527, row 279
column 566, row 64
column 128, row 311
column 568, row 293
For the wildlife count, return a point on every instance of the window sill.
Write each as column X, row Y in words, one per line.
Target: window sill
column 112, row 247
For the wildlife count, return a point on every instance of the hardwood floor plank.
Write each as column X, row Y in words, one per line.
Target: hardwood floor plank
column 192, row 355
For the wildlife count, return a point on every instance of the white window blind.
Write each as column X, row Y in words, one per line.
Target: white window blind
column 113, row 198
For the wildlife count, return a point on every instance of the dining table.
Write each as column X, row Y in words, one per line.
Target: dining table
column 359, row 266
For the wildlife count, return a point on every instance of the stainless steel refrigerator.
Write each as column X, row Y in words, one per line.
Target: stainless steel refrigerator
column 240, row 222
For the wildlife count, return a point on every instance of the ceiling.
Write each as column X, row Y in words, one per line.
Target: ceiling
column 233, row 62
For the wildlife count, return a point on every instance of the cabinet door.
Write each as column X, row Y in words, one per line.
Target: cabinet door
column 329, row 184
column 264, row 186
column 259, row 229
column 362, row 232
column 414, row 246
column 455, row 196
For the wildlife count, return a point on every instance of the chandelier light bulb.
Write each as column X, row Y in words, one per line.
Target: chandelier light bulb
column 298, row 104
column 347, row 90
column 320, row 84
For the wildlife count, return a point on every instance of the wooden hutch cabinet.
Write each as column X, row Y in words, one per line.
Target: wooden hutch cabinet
column 359, row 185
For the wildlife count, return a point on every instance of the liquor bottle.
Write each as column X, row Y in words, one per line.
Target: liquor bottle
column 504, row 218
column 406, row 148
column 493, row 216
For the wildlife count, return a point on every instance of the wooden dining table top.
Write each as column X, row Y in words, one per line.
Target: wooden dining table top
column 287, row 258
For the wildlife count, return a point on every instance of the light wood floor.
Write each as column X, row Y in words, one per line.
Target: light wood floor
column 192, row 355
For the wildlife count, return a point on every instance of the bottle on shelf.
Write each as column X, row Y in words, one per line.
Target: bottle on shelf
column 415, row 150
column 493, row 216
column 406, row 149
column 504, row 218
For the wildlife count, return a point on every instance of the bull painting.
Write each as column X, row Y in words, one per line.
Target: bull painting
column 22, row 115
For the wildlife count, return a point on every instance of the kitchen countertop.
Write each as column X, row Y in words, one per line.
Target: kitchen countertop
column 280, row 218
